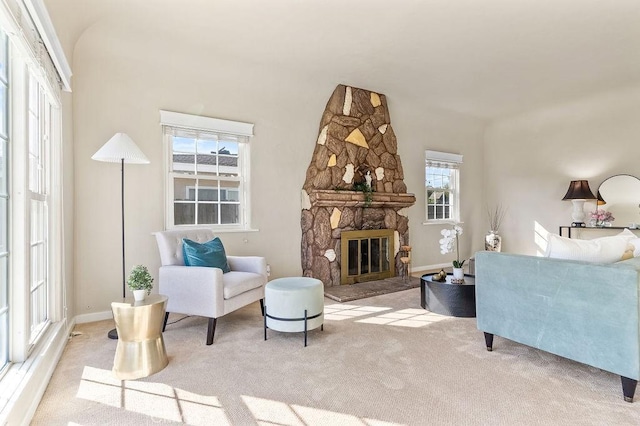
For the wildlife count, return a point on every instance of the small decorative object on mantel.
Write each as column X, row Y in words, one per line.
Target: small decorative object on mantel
column 440, row 276
column 601, row 218
column 493, row 240
column 449, row 237
column 140, row 282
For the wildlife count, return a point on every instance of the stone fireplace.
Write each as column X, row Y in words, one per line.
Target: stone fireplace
column 354, row 182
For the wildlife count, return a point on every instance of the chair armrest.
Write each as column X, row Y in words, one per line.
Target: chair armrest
column 192, row 290
column 255, row 264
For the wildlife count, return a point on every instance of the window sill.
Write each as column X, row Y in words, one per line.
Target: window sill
column 216, row 229
column 442, row 222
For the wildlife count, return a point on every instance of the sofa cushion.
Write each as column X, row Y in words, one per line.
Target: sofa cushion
column 235, row 283
column 210, row 254
column 603, row 250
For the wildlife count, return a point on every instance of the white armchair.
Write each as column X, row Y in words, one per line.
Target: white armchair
column 202, row 291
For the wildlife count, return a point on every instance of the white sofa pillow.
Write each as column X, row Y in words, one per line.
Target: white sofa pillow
column 635, row 242
column 601, row 250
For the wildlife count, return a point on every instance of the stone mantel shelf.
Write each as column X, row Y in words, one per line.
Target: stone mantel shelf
column 341, row 198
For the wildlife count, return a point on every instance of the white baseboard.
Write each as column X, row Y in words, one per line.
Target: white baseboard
column 469, row 267
column 92, row 317
column 429, row 267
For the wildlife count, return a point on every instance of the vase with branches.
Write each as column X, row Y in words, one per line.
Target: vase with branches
column 493, row 240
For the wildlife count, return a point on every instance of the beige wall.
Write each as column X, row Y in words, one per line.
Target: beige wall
column 120, row 83
column 530, row 160
column 122, row 77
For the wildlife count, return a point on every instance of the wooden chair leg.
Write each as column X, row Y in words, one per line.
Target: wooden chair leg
column 211, row 330
column 166, row 318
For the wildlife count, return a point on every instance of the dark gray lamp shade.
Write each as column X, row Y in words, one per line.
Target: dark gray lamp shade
column 579, row 190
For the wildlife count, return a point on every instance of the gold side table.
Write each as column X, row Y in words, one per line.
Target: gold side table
column 140, row 351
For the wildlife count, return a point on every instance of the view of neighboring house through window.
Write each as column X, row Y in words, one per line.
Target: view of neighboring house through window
column 4, row 204
column 442, row 177
column 208, row 166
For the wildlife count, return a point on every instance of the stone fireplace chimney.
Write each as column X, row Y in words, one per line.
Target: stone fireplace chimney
column 356, row 150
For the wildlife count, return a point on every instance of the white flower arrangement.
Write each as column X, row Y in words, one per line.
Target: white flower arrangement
column 449, row 238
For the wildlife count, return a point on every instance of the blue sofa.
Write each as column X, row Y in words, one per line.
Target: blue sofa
column 586, row 312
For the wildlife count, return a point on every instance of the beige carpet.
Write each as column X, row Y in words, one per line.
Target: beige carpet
column 379, row 361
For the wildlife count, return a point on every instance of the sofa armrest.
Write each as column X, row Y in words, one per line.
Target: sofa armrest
column 255, row 264
column 192, row 290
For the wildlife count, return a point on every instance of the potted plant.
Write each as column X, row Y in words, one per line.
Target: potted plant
column 449, row 238
column 140, row 282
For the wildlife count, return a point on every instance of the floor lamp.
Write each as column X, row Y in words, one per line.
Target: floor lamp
column 121, row 149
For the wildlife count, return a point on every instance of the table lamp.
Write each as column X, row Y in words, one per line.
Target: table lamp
column 578, row 193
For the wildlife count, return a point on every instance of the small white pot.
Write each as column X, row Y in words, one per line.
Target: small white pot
column 139, row 295
column 458, row 274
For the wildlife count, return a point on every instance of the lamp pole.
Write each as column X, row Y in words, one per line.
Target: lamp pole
column 122, row 208
column 113, row 333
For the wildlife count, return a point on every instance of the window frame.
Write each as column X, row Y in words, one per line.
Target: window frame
column 5, row 304
column 207, row 128
column 444, row 161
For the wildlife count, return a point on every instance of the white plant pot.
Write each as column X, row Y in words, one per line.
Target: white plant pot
column 458, row 274
column 139, row 295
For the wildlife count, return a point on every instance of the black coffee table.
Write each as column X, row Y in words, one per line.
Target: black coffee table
column 447, row 298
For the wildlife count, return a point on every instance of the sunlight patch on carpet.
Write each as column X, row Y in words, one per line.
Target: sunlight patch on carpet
column 156, row 400
column 268, row 413
column 338, row 312
column 402, row 318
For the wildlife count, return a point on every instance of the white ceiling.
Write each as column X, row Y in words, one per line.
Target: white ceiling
column 486, row 58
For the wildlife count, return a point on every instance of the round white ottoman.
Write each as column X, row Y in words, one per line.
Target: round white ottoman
column 293, row 304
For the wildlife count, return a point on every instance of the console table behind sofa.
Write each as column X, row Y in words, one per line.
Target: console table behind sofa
column 582, row 311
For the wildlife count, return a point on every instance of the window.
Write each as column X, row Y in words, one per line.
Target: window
column 39, row 118
column 442, row 177
column 32, row 289
column 208, row 171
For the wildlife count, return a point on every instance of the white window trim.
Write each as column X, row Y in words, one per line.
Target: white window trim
column 42, row 21
column 198, row 122
column 216, row 125
column 452, row 160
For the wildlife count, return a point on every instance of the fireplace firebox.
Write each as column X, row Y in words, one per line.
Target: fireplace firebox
column 366, row 255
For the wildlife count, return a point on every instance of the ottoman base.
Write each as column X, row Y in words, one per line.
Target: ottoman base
column 305, row 319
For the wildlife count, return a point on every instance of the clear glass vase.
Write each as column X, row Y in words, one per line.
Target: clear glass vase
column 493, row 241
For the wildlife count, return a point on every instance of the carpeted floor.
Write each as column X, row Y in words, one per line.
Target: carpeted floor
column 380, row 361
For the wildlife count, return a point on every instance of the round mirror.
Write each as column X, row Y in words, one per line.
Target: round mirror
column 620, row 195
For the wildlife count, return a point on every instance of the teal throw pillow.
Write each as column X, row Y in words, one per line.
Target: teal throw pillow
column 210, row 254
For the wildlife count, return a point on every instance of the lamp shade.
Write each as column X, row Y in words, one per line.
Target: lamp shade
column 120, row 147
column 601, row 201
column 579, row 190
